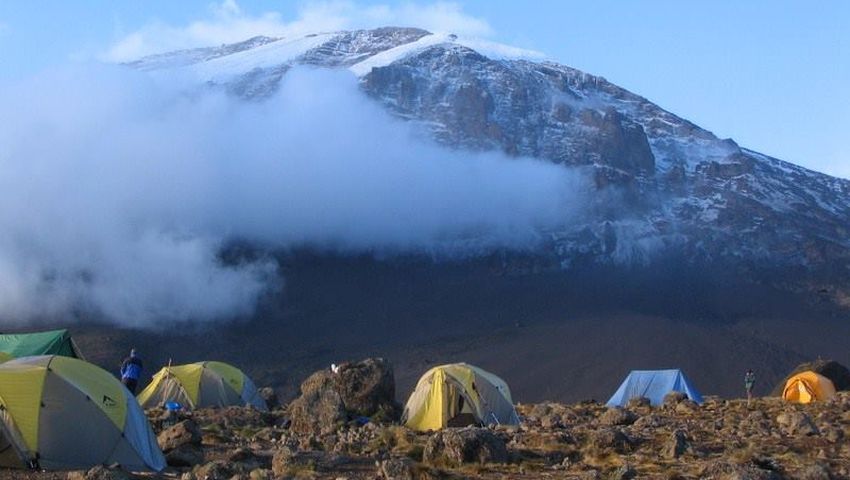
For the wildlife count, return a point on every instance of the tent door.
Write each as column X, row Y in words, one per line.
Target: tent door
column 460, row 410
column 9, row 454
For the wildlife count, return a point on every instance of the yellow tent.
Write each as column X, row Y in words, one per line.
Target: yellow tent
column 807, row 387
column 61, row 413
column 199, row 385
column 458, row 394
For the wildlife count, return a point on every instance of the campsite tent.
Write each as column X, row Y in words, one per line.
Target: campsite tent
column 61, row 413
column 458, row 393
column 53, row 342
column 654, row 385
column 808, row 386
column 202, row 384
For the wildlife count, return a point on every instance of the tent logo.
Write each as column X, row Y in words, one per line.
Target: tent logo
column 108, row 402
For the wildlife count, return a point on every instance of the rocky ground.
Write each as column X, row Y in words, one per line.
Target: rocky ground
column 322, row 435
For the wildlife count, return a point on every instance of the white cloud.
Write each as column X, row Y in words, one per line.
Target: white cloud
column 119, row 192
column 228, row 22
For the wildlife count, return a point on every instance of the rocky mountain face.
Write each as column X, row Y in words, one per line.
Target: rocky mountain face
column 662, row 184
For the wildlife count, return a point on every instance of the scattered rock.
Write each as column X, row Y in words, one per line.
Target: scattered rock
column 397, row 469
column 218, row 470
column 626, row 472
column 617, row 416
column 724, row 470
column 453, row 447
column 100, row 473
column 185, row 432
column 814, row 472
column 638, row 402
column 796, row 423
column 673, row 398
column 184, row 456
column 610, row 439
column 270, row 397
column 676, row 446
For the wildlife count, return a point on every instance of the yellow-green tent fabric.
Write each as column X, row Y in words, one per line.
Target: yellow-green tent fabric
column 449, row 392
column 807, row 387
column 62, row 413
column 199, row 385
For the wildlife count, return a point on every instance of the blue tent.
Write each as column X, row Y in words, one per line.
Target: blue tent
column 653, row 384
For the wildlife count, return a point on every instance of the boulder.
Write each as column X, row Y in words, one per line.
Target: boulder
column 185, row 432
column 795, row 423
column 319, row 409
column 367, row 387
column 330, row 398
column 454, row 447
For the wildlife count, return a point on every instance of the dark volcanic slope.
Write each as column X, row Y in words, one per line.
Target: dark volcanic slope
column 551, row 336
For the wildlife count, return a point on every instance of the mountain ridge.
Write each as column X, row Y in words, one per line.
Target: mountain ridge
column 684, row 189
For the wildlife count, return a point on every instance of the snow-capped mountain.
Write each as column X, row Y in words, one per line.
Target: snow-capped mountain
column 666, row 185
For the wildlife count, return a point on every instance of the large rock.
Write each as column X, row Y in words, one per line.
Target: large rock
column 330, row 398
column 454, row 447
column 179, row 434
column 319, row 409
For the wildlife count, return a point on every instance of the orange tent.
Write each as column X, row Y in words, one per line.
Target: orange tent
column 807, row 387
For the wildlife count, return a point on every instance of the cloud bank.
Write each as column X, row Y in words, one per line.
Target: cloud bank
column 227, row 22
column 120, row 190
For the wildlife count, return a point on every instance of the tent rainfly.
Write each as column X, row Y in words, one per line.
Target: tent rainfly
column 654, row 385
column 199, row 385
column 806, row 387
column 60, row 413
column 53, row 342
column 459, row 394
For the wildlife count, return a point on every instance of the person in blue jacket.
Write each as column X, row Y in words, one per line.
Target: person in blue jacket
column 131, row 370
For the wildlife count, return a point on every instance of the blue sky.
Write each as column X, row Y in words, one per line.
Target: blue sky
column 773, row 75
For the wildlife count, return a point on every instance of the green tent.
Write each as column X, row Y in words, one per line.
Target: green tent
column 54, row 342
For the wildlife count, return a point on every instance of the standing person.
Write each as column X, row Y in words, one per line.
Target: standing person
column 749, row 382
column 131, row 370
